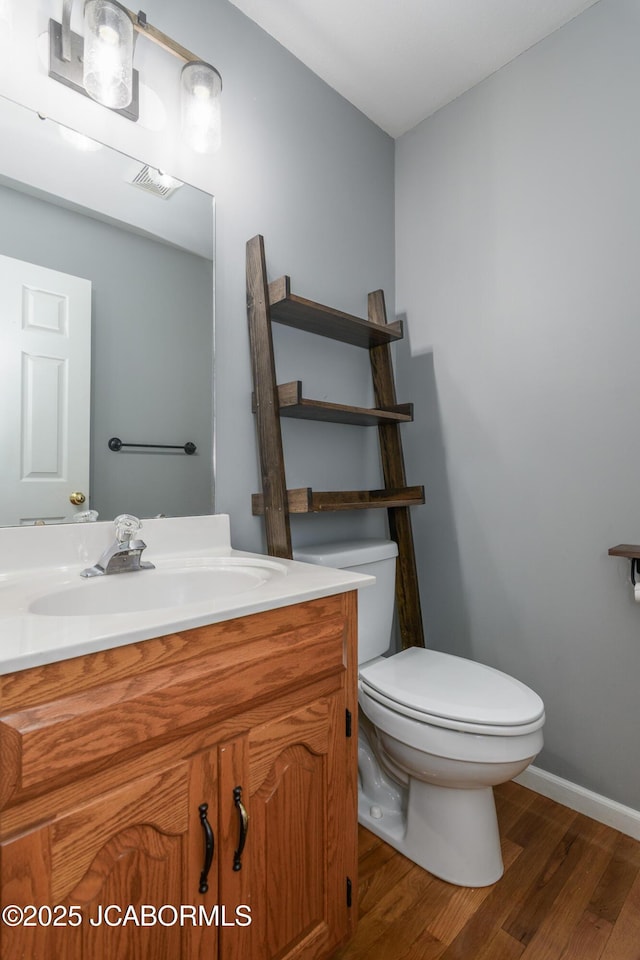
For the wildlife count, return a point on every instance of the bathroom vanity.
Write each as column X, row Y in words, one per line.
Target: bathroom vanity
column 158, row 792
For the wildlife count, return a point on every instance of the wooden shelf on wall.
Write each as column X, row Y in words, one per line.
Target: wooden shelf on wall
column 629, row 550
column 292, row 404
column 312, row 317
column 306, row 500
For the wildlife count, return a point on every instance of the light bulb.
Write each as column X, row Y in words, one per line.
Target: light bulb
column 107, row 35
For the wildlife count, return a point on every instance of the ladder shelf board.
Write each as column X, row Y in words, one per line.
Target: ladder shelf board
column 629, row 550
column 294, row 311
column 306, row 500
column 292, row 404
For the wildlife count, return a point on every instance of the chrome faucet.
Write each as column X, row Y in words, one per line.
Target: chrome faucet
column 123, row 556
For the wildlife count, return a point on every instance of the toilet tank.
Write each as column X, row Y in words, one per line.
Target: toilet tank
column 376, row 603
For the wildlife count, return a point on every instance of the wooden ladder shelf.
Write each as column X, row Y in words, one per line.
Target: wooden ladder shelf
column 268, row 303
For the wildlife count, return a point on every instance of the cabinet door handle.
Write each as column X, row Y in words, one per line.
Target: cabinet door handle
column 243, row 823
column 208, row 848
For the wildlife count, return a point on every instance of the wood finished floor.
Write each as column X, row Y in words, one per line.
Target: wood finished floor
column 570, row 891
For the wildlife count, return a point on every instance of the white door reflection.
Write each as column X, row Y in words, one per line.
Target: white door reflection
column 45, row 344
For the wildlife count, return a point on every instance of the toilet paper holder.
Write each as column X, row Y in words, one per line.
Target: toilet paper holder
column 631, row 552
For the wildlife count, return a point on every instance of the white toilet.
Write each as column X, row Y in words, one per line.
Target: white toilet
column 437, row 732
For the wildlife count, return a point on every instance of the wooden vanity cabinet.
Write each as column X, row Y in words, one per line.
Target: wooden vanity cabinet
column 108, row 759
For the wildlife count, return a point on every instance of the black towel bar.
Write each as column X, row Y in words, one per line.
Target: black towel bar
column 115, row 444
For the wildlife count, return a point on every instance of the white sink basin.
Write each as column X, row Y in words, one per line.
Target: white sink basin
column 49, row 613
column 174, row 584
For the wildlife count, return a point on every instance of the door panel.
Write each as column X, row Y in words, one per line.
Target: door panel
column 45, row 342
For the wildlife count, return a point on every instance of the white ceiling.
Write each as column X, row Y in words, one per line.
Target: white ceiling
column 399, row 61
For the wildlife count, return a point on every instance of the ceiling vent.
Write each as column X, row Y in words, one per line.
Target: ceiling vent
column 153, row 181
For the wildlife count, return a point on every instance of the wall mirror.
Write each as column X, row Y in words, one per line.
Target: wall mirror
column 106, row 331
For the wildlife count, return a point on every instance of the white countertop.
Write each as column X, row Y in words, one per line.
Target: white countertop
column 38, row 561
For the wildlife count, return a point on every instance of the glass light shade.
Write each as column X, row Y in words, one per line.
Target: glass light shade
column 108, row 53
column 200, row 89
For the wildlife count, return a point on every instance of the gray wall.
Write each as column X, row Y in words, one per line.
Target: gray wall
column 301, row 166
column 518, row 233
column 151, row 345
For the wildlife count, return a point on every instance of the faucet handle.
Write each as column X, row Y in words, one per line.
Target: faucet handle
column 126, row 527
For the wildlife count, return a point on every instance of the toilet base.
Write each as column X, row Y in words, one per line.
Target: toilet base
column 452, row 833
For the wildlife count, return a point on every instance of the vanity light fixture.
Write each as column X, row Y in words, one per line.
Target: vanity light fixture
column 100, row 65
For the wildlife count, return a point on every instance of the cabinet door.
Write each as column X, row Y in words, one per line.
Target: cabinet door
column 116, row 860
column 292, row 773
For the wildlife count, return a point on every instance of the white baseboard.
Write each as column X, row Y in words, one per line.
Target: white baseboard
column 616, row 815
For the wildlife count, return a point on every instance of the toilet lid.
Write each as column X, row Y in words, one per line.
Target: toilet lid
column 440, row 685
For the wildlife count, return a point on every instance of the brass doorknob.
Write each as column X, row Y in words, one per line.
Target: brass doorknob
column 77, row 498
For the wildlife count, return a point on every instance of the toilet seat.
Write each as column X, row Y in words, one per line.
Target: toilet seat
column 452, row 692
